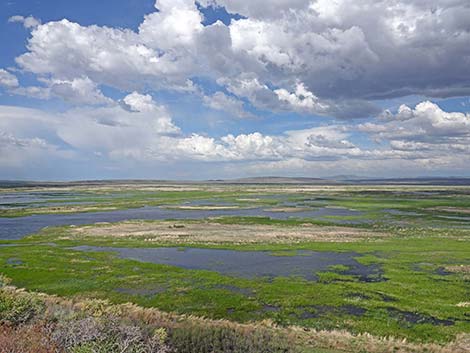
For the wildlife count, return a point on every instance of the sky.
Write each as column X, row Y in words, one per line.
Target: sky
column 177, row 89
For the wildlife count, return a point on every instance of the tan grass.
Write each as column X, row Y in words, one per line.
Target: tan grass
column 450, row 209
column 465, row 269
column 287, row 209
column 216, row 233
column 72, row 209
column 203, row 207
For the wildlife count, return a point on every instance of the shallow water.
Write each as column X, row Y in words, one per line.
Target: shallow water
column 400, row 212
column 9, row 199
column 16, row 228
column 246, row 264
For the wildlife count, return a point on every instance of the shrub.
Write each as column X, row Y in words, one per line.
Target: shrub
column 27, row 339
column 4, row 281
column 200, row 338
column 18, row 308
column 107, row 334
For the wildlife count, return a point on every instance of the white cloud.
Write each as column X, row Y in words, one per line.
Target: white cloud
column 253, row 146
column 142, row 132
column 197, row 147
column 7, row 79
column 233, row 106
column 302, row 99
column 28, row 22
column 78, row 91
column 427, row 122
column 425, row 133
column 114, row 129
column 38, row 92
column 324, row 143
column 176, row 24
column 259, row 9
column 316, row 57
column 347, row 53
column 117, row 57
column 108, row 130
column 15, row 152
column 139, row 102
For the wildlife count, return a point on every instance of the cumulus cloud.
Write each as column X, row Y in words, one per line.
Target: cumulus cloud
column 140, row 130
column 28, row 22
column 77, row 91
column 176, row 24
column 365, row 50
column 347, row 53
column 427, row 122
column 139, row 102
column 8, row 80
column 323, row 143
column 258, row 9
column 80, row 90
column 144, row 131
column 62, row 52
column 333, row 58
column 302, row 99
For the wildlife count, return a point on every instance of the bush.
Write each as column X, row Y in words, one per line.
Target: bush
column 4, row 281
column 107, row 334
column 200, row 338
column 27, row 339
column 94, row 326
column 18, row 308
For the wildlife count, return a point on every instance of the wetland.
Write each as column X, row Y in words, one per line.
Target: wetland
column 384, row 260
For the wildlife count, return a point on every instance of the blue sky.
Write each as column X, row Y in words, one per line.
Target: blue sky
column 222, row 89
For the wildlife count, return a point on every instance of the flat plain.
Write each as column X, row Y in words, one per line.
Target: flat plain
column 334, row 266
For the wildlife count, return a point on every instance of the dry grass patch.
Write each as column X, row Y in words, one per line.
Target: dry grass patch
column 449, row 209
column 465, row 269
column 203, row 207
column 288, row 209
column 73, row 209
column 215, row 233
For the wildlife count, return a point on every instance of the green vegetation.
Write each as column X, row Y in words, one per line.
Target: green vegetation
column 410, row 284
column 414, row 205
column 108, row 200
column 421, row 290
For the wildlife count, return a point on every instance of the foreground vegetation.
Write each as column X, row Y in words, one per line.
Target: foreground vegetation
column 38, row 323
column 421, row 294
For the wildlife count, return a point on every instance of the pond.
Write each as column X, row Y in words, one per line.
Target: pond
column 18, row 227
column 36, row 198
column 248, row 264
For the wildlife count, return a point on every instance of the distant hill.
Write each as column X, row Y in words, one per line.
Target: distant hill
column 275, row 180
column 348, row 180
column 414, row 181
